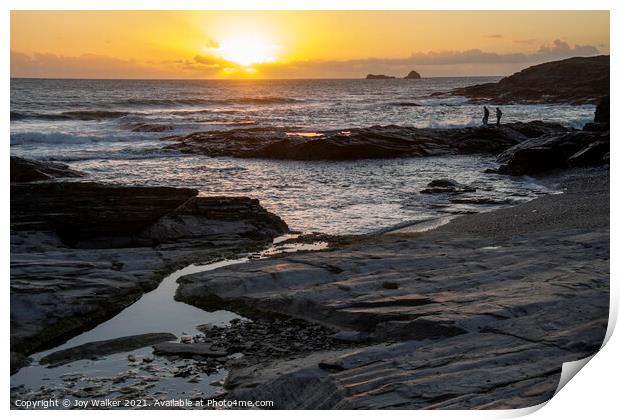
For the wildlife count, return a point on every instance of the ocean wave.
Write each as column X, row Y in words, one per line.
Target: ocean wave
column 59, row 138
column 442, row 100
column 85, row 115
column 261, row 100
column 102, row 155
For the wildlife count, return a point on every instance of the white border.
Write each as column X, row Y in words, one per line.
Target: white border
column 591, row 395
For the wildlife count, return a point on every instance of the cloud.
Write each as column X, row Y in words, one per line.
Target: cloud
column 430, row 63
column 83, row 66
column 434, row 63
column 561, row 48
column 495, row 36
column 95, row 66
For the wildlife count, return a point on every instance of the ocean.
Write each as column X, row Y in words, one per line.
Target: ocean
column 94, row 125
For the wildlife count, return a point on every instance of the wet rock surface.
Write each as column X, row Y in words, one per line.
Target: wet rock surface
column 377, row 142
column 27, row 170
column 578, row 80
column 81, row 252
column 450, row 186
column 105, row 347
column 582, row 148
column 277, row 338
column 188, row 349
column 487, row 308
column 193, row 368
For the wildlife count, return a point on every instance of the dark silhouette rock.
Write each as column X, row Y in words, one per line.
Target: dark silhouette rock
column 578, row 80
column 91, row 215
column 450, row 186
column 378, row 77
column 601, row 117
column 413, row 75
column 377, row 142
column 541, row 154
column 27, row 170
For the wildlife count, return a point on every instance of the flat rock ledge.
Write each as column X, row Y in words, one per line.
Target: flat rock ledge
column 102, row 348
column 479, row 313
column 377, row 142
column 81, row 252
column 27, row 170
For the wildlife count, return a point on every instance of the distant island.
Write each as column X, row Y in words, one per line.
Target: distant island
column 378, row 77
column 412, row 75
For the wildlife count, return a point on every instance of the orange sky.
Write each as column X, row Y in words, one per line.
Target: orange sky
column 349, row 44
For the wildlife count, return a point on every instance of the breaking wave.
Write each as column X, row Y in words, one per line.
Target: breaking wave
column 86, row 115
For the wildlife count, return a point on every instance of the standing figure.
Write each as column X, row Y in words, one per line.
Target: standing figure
column 498, row 112
column 485, row 119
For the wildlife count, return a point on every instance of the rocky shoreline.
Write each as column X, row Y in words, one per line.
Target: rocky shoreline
column 478, row 313
column 577, row 80
column 377, row 142
column 522, row 148
column 82, row 251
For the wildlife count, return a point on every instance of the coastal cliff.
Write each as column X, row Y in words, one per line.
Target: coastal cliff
column 577, row 80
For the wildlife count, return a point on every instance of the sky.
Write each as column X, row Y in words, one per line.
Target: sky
column 296, row 44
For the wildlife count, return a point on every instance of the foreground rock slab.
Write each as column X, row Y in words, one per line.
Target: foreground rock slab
column 486, row 308
column 81, row 252
column 105, row 347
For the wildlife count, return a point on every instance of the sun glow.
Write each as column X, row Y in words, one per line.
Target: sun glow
column 247, row 50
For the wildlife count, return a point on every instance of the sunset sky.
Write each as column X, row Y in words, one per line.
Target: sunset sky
column 347, row 44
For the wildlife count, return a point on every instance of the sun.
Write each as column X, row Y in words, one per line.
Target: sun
column 247, row 50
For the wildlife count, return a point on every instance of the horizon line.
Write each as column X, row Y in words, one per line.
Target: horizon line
column 242, row 79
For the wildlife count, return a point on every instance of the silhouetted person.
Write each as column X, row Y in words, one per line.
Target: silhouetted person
column 485, row 119
column 498, row 112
